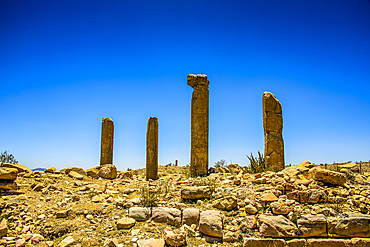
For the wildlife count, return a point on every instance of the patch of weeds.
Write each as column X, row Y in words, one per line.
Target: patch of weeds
column 105, row 187
column 191, row 234
column 186, row 171
column 164, row 188
column 257, row 164
column 294, row 217
column 298, row 231
column 149, row 197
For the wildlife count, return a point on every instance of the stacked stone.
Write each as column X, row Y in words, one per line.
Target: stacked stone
column 7, row 180
column 199, row 124
column 152, row 149
column 273, row 130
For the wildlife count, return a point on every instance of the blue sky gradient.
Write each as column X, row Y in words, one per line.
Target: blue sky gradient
column 64, row 65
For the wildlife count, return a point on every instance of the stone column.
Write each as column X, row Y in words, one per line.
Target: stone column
column 107, row 129
column 152, row 149
column 273, row 128
column 199, row 124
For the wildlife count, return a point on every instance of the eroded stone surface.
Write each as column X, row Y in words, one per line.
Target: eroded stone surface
column 107, row 171
column 171, row 216
column 199, row 124
column 151, row 243
column 152, row 149
column 126, row 223
column 352, row 225
column 257, row 242
column 107, row 133
column 174, row 238
column 139, row 213
column 273, row 129
column 190, row 216
column 195, row 192
column 327, row 176
column 7, row 173
column 312, row 226
column 329, row 242
column 277, row 226
column 211, row 223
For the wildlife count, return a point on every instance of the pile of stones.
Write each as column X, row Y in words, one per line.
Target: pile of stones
column 303, row 205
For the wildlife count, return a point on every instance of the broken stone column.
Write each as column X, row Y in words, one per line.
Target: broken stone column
column 152, row 149
column 107, row 129
column 199, row 124
column 273, row 128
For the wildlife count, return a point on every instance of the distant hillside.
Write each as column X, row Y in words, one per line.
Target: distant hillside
column 39, row 169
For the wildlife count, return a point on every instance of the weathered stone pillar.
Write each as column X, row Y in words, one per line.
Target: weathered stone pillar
column 273, row 128
column 107, row 129
column 199, row 124
column 152, row 149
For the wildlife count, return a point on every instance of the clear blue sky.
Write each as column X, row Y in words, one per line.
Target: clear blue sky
column 64, row 65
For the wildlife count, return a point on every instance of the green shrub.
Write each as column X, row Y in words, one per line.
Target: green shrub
column 257, row 164
column 7, row 158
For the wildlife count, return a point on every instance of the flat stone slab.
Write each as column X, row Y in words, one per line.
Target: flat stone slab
column 259, row 242
column 312, row 225
column 353, row 225
column 327, row 176
column 195, row 192
column 277, row 226
column 329, row 242
column 125, row 223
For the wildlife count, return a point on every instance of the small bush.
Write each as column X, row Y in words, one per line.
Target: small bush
column 221, row 163
column 7, row 158
column 257, row 164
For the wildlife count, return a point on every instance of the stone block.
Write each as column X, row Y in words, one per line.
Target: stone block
column 312, row 225
column 258, row 242
column 190, row 216
column 352, row 225
column 277, row 226
column 171, row 216
column 211, row 223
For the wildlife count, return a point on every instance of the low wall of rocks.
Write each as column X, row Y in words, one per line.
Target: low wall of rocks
column 351, row 229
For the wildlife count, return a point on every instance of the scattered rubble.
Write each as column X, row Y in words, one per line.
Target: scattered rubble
column 305, row 205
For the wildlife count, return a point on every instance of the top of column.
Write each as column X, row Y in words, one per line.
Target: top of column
column 271, row 103
column 195, row 80
column 107, row 119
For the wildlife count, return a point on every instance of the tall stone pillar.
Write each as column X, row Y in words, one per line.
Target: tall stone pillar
column 107, row 129
column 152, row 149
column 199, row 124
column 273, row 128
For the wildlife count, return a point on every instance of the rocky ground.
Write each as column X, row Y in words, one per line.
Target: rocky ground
column 300, row 206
